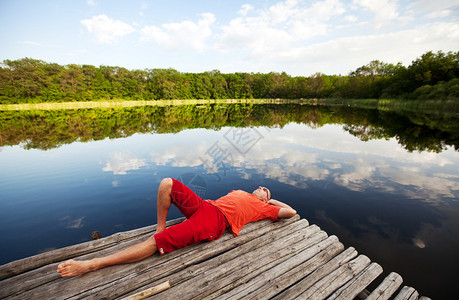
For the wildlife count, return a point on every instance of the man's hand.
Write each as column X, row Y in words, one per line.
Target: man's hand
column 285, row 212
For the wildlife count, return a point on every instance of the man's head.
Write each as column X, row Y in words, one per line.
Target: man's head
column 263, row 194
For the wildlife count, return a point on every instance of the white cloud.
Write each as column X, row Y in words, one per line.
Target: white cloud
column 120, row 163
column 72, row 223
column 281, row 11
column 255, row 35
column 440, row 14
column 385, row 10
column 176, row 157
column 427, row 187
column 106, row 30
column 300, row 37
column 351, row 52
column 431, row 9
column 144, row 6
column 278, row 27
column 351, row 18
column 31, row 43
column 186, row 34
column 323, row 36
column 362, row 170
column 303, row 37
column 245, row 8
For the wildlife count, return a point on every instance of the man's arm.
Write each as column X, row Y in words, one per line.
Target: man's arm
column 285, row 212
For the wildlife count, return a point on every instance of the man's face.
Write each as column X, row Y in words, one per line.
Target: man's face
column 262, row 193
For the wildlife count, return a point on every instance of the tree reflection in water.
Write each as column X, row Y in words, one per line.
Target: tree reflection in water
column 47, row 129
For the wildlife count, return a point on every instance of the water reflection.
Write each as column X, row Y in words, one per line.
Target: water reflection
column 119, row 163
column 418, row 131
column 347, row 171
column 296, row 155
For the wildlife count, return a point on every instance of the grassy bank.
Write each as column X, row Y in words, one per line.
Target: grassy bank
column 381, row 104
column 119, row 103
column 395, row 104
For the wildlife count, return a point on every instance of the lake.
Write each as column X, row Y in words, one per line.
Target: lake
column 385, row 182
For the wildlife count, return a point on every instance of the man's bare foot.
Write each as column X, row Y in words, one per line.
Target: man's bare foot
column 74, row 268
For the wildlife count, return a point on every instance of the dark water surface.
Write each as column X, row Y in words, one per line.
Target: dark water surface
column 386, row 183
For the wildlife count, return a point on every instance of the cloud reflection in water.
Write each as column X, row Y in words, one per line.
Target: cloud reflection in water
column 297, row 155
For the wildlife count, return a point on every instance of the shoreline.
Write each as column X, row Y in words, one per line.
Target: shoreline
column 381, row 104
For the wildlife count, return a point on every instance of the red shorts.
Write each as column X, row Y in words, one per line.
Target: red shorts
column 205, row 222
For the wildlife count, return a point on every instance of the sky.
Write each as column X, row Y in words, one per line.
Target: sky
column 299, row 37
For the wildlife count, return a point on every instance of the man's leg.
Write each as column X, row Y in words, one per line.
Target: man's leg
column 170, row 192
column 163, row 203
column 187, row 205
column 132, row 254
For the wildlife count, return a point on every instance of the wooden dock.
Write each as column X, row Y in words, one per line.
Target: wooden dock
column 268, row 260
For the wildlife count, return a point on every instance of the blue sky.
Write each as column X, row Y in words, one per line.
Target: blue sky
column 295, row 36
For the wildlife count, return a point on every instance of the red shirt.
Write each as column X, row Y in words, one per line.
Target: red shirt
column 240, row 208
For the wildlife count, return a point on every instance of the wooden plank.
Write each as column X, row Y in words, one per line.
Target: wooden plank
column 295, row 291
column 336, row 279
column 47, row 274
column 414, row 296
column 407, row 293
column 119, row 280
column 249, row 272
column 278, row 260
column 270, row 235
column 387, row 288
column 218, row 279
column 282, row 276
column 149, row 292
column 358, row 283
column 194, row 271
column 255, row 281
column 36, row 261
column 265, row 231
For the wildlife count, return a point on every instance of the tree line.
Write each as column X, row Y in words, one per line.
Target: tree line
column 432, row 76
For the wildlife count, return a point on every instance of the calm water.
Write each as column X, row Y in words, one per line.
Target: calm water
column 385, row 183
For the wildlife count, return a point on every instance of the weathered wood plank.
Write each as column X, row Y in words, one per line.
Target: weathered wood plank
column 47, row 274
column 36, row 261
column 358, row 283
column 234, row 284
column 244, row 263
column 271, row 232
column 295, row 291
column 149, row 292
column 407, row 293
column 282, row 276
column 336, row 279
column 300, row 272
column 387, row 288
column 38, row 277
column 119, row 280
column 277, row 260
column 414, row 296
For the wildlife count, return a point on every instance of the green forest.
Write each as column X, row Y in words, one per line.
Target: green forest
column 27, row 80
